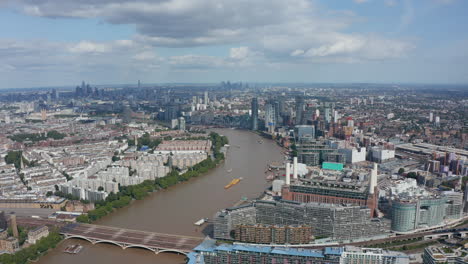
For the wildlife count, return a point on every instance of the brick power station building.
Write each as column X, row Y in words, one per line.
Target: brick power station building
column 339, row 193
column 321, row 191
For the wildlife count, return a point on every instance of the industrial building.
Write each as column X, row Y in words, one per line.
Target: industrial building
column 334, row 191
column 340, row 193
column 337, row 222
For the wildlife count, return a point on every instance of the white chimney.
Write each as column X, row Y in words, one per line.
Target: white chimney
column 288, row 173
column 371, row 182
column 373, row 179
column 295, row 167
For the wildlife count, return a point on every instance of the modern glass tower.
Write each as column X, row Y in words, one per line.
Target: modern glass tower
column 299, row 110
column 254, row 108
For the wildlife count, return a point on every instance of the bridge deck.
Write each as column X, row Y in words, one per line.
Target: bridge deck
column 132, row 237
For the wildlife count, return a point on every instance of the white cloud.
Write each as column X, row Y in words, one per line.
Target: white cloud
column 41, row 56
column 240, row 53
column 297, row 52
column 89, row 47
column 44, row 56
column 124, row 43
column 361, row 1
column 145, row 56
column 344, row 45
column 352, row 49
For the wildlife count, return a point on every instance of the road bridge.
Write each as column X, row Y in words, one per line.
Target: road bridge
column 447, row 234
column 127, row 238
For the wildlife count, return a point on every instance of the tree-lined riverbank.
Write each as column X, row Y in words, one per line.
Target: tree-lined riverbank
column 127, row 194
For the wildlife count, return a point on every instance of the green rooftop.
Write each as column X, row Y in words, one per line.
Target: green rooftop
column 332, row 166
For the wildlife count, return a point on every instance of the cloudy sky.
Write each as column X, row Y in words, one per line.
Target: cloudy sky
column 61, row 42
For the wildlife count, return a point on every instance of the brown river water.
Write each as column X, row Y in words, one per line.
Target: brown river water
column 174, row 211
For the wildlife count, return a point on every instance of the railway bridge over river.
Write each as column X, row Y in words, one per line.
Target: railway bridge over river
column 126, row 238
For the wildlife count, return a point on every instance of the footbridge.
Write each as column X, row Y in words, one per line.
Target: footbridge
column 126, row 238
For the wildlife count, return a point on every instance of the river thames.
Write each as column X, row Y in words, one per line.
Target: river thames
column 174, row 211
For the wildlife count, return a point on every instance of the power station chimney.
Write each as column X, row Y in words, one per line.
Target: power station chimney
column 371, row 183
column 295, row 168
column 14, row 226
column 373, row 179
column 288, row 173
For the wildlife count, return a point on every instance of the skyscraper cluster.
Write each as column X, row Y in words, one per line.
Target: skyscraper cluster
column 85, row 90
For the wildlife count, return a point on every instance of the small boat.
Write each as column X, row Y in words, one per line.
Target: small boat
column 73, row 249
column 201, row 221
column 260, row 141
column 229, row 171
column 270, row 177
column 232, row 183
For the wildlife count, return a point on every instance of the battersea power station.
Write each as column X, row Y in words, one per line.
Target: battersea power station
column 339, row 205
column 321, row 190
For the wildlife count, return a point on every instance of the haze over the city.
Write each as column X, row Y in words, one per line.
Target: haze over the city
column 61, row 42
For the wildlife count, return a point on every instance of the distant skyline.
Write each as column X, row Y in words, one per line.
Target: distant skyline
column 62, row 42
